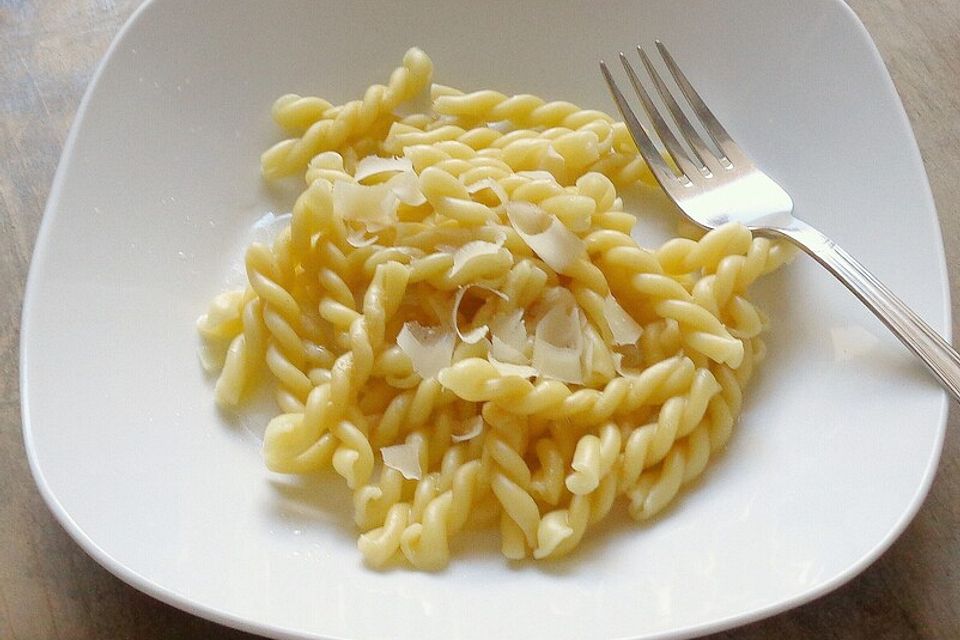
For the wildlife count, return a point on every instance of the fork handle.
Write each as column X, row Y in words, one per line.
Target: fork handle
column 942, row 360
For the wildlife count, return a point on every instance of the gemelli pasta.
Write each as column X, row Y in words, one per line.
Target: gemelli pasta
column 459, row 323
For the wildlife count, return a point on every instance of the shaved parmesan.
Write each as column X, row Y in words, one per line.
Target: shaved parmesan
column 556, row 245
column 475, row 335
column 625, row 329
column 404, row 458
column 406, row 186
column 375, row 165
column 509, row 369
column 478, row 333
column 437, row 308
column 558, row 345
column 587, row 353
column 509, row 338
column 469, row 251
column 358, row 238
column 499, row 234
column 537, row 175
column 474, row 427
column 507, row 352
column 430, row 349
column 413, row 252
column 596, row 358
column 558, row 363
column 489, row 183
column 374, row 206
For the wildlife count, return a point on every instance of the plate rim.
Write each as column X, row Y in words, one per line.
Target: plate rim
column 236, row 621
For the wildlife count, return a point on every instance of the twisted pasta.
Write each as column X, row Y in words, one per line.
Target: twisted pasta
column 338, row 125
column 468, row 333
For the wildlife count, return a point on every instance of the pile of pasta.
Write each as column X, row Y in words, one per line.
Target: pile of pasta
column 459, row 323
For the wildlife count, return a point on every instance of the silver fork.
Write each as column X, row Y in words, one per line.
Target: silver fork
column 713, row 189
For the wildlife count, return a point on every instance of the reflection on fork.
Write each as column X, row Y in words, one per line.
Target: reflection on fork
column 716, row 186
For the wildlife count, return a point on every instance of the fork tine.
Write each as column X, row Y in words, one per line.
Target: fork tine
column 701, row 151
column 661, row 170
column 716, row 131
column 659, row 124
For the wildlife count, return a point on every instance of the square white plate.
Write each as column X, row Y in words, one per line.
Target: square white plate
column 159, row 185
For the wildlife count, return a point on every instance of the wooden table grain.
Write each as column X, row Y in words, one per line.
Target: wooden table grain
column 49, row 588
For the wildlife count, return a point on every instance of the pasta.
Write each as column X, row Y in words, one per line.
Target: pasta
column 459, row 323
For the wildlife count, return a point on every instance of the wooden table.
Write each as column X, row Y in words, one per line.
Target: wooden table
column 49, row 588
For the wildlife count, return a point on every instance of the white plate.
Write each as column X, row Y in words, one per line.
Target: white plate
column 159, row 184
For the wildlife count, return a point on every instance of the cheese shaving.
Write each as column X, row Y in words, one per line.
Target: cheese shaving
column 499, row 235
column 463, row 255
column 558, row 345
column 373, row 206
column 587, row 353
column 475, row 335
column 493, row 185
column 509, row 338
column 558, row 363
column 430, row 349
column 509, row 369
column 404, row 458
column 556, row 245
column 596, row 358
column 478, row 333
column 413, row 252
column 375, row 165
column 446, row 248
column 474, row 427
column 406, row 186
column 358, row 238
column 503, row 126
column 625, row 329
column 507, row 352
column 537, row 175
